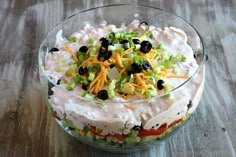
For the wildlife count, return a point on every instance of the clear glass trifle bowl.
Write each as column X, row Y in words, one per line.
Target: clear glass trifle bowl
column 122, row 77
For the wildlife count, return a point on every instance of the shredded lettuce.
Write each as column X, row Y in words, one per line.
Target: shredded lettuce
column 127, row 89
column 138, row 59
column 121, row 81
column 151, row 92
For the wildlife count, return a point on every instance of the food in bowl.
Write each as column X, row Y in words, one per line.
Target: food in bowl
column 114, row 84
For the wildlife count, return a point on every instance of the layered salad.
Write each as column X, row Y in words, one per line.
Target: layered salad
column 118, row 84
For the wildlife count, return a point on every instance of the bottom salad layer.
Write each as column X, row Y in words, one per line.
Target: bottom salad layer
column 136, row 135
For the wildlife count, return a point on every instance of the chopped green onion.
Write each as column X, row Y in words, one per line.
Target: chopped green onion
column 92, row 52
column 72, row 39
column 151, row 92
column 58, row 69
column 131, row 43
column 68, row 123
column 126, row 64
column 138, row 59
column 149, row 34
column 62, row 81
column 68, row 73
column 160, row 46
column 90, row 41
column 100, row 102
column 78, row 79
column 111, row 36
column 82, row 57
column 120, row 49
column 91, row 76
column 85, row 82
column 111, row 89
column 96, row 67
column 135, row 33
column 87, row 96
column 117, row 35
column 71, row 86
column 121, row 81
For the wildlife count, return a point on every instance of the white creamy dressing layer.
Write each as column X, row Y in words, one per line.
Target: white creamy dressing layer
column 114, row 118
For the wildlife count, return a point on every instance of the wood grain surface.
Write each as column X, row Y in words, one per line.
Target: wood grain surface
column 28, row 130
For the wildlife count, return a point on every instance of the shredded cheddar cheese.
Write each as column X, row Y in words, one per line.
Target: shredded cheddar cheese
column 118, row 60
column 130, row 107
column 71, row 52
column 177, row 76
column 127, row 51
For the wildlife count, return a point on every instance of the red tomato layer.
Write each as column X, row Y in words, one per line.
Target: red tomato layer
column 158, row 131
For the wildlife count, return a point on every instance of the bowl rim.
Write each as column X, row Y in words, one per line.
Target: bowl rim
column 203, row 53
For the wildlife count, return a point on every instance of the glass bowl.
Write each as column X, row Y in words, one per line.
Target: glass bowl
column 130, row 137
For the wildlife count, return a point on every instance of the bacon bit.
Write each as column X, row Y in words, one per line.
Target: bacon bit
column 71, row 52
column 130, row 107
column 177, row 76
column 118, row 60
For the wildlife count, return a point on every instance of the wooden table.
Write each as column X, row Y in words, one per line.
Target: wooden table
column 28, row 130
